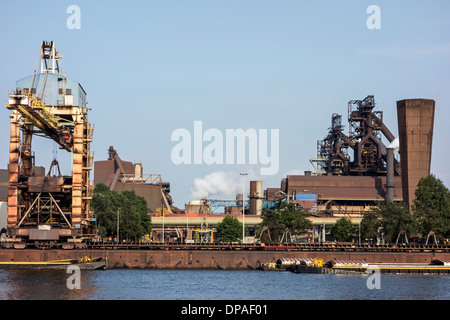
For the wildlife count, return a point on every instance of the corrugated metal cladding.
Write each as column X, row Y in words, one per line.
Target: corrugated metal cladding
column 307, row 205
column 104, row 169
column 4, row 175
column 342, row 187
column 53, row 93
column 306, row 197
column 151, row 193
column 270, row 194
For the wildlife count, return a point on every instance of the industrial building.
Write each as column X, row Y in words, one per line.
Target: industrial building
column 339, row 194
column 195, row 207
column 120, row 175
column 341, row 184
column 349, row 186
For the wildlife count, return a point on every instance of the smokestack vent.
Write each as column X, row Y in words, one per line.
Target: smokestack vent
column 415, row 128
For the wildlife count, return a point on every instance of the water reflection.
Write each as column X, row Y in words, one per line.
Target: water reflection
column 215, row 285
column 44, row 284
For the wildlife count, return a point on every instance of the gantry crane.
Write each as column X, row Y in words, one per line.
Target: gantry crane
column 44, row 209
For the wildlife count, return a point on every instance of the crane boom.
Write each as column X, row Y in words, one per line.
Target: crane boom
column 36, row 112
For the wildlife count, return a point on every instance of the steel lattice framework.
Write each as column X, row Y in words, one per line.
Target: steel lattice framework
column 48, row 208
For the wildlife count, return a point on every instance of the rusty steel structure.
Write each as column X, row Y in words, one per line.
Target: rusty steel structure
column 364, row 138
column 42, row 208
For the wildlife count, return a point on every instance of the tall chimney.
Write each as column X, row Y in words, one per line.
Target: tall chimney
column 415, row 128
column 390, row 175
column 111, row 153
column 138, row 171
column 256, row 197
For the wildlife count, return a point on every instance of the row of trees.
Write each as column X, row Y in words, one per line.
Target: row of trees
column 431, row 212
column 126, row 208
column 288, row 217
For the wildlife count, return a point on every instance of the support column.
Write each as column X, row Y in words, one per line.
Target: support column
column 26, row 154
column 87, row 167
column 77, row 175
column 13, row 169
column 390, row 174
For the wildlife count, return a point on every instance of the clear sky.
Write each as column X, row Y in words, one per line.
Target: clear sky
column 151, row 67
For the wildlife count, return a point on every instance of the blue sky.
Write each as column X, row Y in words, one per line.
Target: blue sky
column 151, row 67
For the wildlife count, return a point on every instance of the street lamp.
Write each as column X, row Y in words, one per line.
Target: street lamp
column 243, row 208
column 118, row 216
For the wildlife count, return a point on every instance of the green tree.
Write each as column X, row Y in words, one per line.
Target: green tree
column 369, row 226
column 105, row 210
column 391, row 217
column 272, row 220
column 343, row 230
column 395, row 218
column 431, row 207
column 134, row 222
column 140, row 207
column 288, row 216
column 229, row 229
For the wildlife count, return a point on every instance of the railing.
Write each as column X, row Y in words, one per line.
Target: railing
column 36, row 104
column 267, row 247
column 145, row 178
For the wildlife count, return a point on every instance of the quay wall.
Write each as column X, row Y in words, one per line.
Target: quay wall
column 210, row 259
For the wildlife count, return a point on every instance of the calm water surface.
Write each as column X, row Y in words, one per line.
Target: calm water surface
column 216, row 285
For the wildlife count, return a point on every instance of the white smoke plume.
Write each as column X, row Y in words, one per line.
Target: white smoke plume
column 221, row 183
column 216, row 183
column 395, row 144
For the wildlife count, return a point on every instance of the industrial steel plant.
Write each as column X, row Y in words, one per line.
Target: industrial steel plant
column 356, row 166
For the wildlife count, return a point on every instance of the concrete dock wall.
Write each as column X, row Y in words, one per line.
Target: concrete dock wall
column 209, row 259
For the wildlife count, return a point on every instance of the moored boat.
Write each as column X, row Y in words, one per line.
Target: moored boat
column 85, row 263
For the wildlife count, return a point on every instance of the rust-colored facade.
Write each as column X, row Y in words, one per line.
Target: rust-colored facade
column 342, row 187
column 104, row 170
column 210, row 259
column 120, row 175
column 4, row 184
column 341, row 194
column 415, row 126
column 272, row 194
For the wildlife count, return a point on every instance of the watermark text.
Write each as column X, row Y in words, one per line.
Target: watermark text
column 235, row 146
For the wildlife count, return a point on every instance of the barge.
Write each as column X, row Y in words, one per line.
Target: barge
column 313, row 265
column 83, row 263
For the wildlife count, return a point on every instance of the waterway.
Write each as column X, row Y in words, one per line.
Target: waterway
column 129, row 284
